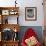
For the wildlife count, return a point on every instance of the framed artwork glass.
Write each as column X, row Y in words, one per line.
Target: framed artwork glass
column 31, row 13
column 5, row 12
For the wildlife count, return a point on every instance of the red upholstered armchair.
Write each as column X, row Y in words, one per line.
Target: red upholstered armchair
column 30, row 38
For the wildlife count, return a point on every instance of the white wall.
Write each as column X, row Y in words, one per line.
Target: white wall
column 26, row 3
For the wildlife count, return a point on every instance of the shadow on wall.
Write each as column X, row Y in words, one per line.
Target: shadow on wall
column 37, row 29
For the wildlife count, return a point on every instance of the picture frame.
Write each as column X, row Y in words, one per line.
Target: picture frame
column 5, row 12
column 30, row 13
column 12, row 12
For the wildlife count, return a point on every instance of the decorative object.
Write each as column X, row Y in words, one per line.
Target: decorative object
column 15, row 37
column 6, row 21
column 30, row 38
column 13, row 12
column 15, row 3
column 30, row 13
column 15, row 30
column 31, row 41
column 5, row 12
column 7, row 34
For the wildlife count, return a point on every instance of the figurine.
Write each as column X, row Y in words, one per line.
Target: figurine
column 6, row 21
column 15, row 3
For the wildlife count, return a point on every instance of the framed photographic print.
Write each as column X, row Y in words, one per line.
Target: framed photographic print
column 5, row 12
column 31, row 13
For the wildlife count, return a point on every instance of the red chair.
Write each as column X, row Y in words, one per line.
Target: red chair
column 29, row 33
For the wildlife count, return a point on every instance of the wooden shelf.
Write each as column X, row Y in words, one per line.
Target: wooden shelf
column 4, row 13
column 10, row 43
column 11, row 26
column 10, row 9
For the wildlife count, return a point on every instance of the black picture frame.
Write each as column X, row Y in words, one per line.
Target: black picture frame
column 30, row 13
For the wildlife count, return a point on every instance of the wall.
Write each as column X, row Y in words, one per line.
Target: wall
column 37, row 25
column 26, row 3
column 32, row 3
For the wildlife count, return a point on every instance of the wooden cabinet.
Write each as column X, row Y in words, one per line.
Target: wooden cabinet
column 6, row 26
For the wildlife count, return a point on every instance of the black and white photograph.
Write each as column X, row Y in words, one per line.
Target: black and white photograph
column 31, row 13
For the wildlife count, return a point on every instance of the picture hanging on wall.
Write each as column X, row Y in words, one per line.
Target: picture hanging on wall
column 31, row 13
